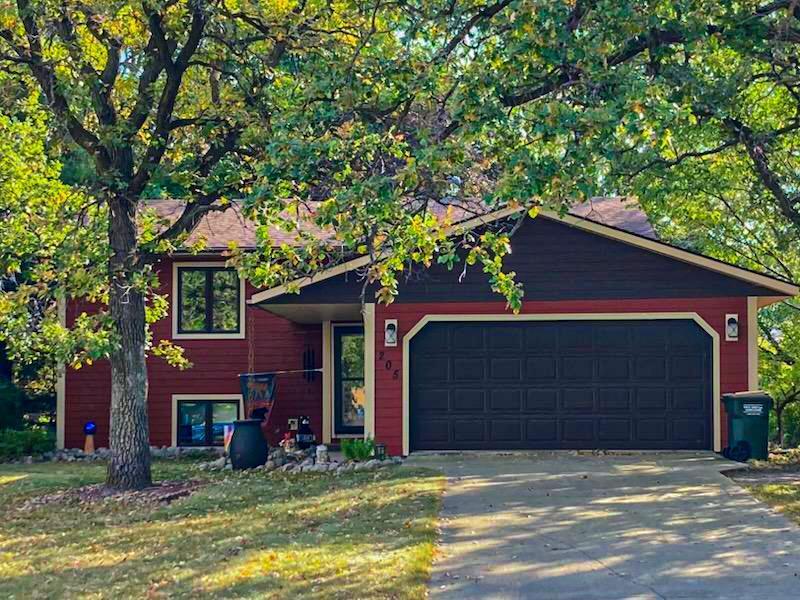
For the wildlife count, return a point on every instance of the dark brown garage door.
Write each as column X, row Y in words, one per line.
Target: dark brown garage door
column 561, row 385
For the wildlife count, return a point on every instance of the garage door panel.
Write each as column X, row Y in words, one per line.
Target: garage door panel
column 467, row 337
column 434, row 400
column 540, row 368
column 652, row 430
column 577, row 367
column 578, row 400
column 469, row 430
column 561, row 384
column 506, row 369
column 506, row 430
column 650, row 367
column 650, row 337
column 614, row 400
column 614, row 430
column 578, row 430
column 613, row 367
column 541, row 430
column 651, row 399
column 506, row 400
column 431, row 369
column 609, row 338
column 541, row 340
column 683, row 338
column 468, row 369
column 433, row 341
column 469, row 400
column 688, row 429
column 541, row 400
column 575, row 336
column 689, row 399
column 434, row 431
column 686, row 368
column 505, row 338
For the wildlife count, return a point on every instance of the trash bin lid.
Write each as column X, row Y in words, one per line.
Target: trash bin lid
column 751, row 395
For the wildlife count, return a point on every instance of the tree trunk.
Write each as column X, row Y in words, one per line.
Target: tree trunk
column 129, row 432
column 779, row 423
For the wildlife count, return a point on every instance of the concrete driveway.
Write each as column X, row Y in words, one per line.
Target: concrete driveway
column 558, row 526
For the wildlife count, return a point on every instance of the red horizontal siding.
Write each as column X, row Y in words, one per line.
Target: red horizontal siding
column 389, row 361
column 277, row 344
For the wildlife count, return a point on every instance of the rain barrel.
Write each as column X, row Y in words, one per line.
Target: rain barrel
column 248, row 447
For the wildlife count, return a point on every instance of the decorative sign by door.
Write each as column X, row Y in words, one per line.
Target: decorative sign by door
column 258, row 391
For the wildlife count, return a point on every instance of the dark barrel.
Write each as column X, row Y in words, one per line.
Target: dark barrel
column 248, row 447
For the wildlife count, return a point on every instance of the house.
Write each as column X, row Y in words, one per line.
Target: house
column 623, row 342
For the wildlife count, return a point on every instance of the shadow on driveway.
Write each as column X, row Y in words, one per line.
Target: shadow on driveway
column 559, row 526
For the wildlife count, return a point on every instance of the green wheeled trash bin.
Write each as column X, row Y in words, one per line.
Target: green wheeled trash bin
column 748, row 425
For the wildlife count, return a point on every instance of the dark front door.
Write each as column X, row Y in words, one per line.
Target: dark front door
column 348, row 397
column 561, row 385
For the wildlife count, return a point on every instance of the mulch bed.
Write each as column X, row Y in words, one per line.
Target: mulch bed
column 774, row 473
column 160, row 493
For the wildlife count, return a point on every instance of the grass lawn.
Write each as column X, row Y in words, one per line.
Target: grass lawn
column 362, row 535
column 781, row 496
column 776, row 482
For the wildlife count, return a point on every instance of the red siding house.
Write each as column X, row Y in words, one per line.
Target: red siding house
column 623, row 342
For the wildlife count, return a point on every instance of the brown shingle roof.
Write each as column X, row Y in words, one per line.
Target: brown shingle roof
column 219, row 228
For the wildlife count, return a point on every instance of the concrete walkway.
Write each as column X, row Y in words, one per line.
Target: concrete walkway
column 651, row 526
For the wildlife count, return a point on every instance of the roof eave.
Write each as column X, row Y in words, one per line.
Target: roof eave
column 782, row 288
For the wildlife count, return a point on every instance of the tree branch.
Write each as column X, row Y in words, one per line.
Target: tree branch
column 485, row 14
column 166, row 105
column 757, row 152
column 51, row 87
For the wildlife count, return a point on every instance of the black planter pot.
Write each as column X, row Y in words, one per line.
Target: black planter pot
column 248, row 448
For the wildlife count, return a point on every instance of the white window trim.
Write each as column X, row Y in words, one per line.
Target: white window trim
column 691, row 316
column 178, row 397
column 752, row 343
column 369, row 384
column 240, row 335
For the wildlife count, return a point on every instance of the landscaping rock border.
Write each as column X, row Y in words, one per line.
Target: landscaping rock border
column 101, row 454
column 304, row 461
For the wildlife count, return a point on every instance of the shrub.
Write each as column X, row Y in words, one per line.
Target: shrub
column 357, row 449
column 11, row 405
column 16, row 443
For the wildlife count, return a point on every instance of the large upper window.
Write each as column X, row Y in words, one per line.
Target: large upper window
column 203, row 422
column 208, row 300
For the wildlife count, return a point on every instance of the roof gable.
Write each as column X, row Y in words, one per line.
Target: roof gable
column 555, row 260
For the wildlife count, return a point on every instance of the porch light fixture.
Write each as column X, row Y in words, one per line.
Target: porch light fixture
column 731, row 328
column 390, row 333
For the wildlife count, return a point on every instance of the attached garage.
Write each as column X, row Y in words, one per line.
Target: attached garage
column 617, row 383
column 621, row 341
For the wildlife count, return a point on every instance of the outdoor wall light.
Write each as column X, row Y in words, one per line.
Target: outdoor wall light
column 390, row 332
column 731, row 328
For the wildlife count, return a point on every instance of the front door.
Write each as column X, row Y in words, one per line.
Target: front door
column 349, row 393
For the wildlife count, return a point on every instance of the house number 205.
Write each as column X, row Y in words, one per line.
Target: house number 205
column 387, row 364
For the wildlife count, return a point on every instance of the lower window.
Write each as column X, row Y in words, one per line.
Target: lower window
column 203, row 422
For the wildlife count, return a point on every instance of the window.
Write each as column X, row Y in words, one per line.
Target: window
column 209, row 300
column 349, row 390
column 202, row 422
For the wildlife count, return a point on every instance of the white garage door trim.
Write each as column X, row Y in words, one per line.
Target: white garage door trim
column 682, row 316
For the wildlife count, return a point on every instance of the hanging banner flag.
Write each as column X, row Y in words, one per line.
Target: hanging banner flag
column 258, row 391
